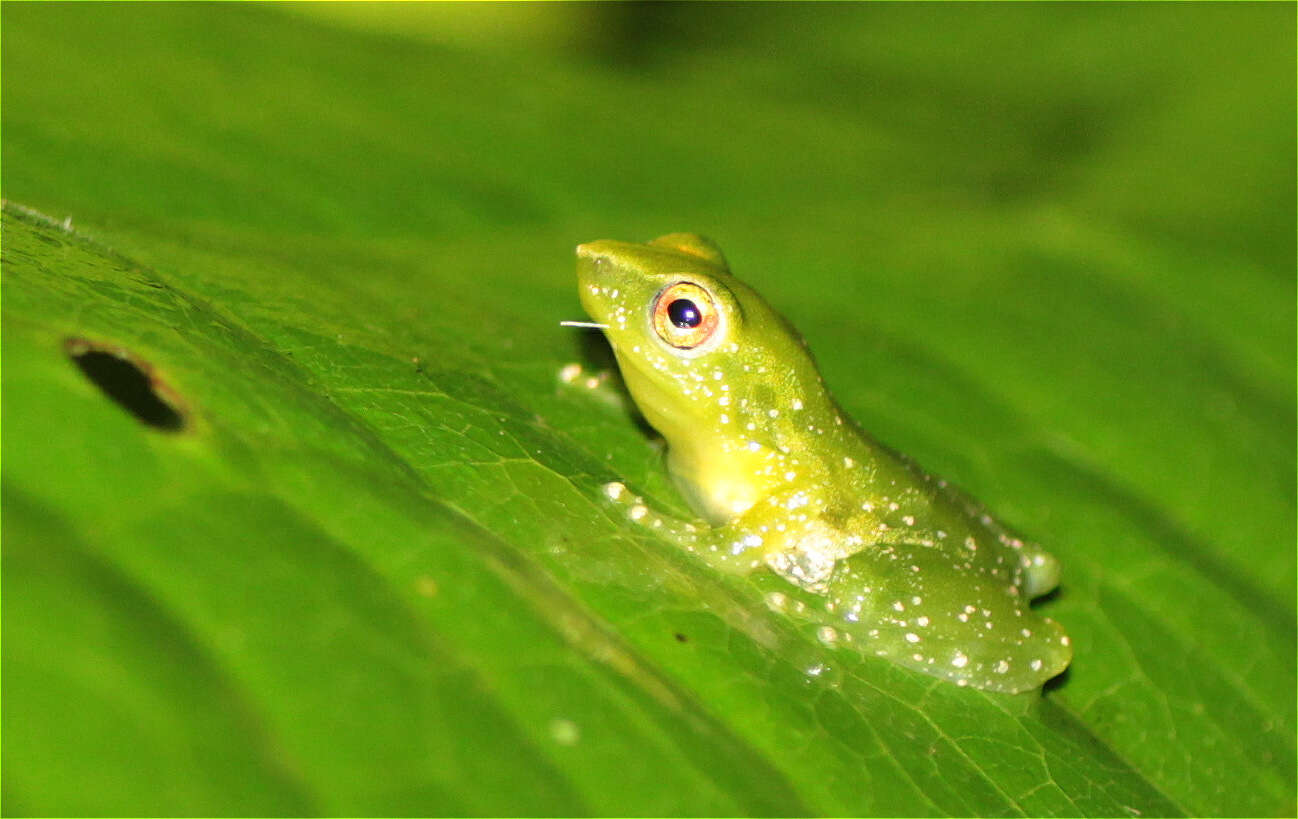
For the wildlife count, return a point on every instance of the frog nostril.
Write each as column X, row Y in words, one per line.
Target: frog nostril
column 593, row 259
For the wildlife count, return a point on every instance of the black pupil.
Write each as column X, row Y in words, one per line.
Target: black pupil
column 684, row 314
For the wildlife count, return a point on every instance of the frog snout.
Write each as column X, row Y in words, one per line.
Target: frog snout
column 598, row 254
column 597, row 261
column 590, row 250
column 609, row 273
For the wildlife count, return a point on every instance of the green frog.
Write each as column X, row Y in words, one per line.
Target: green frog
column 909, row 568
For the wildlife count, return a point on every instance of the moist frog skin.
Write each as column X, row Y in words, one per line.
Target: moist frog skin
column 910, row 568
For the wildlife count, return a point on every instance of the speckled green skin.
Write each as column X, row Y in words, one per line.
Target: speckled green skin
column 910, row 568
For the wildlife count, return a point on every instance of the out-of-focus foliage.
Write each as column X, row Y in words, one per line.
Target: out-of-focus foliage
column 1047, row 250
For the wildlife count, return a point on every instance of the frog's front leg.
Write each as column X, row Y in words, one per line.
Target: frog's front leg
column 732, row 548
column 605, row 385
column 800, row 548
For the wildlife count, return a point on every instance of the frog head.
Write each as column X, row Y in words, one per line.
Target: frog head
column 710, row 365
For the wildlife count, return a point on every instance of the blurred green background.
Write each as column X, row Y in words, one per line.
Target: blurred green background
column 1048, row 250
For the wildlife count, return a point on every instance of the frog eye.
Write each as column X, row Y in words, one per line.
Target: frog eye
column 685, row 316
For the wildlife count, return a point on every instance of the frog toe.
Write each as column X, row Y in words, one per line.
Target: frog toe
column 1040, row 574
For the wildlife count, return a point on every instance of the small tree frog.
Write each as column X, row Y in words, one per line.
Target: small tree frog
column 909, row 568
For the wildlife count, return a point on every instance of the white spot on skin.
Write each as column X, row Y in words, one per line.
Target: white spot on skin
column 774, row 413
column 638, row 511
column 1035, row 665
column 570, row 373
column 921, row 621
column 897, row 605
column 959, row 660
column 614, row 490
column 797, row 404
column 1002, row 667
column 912, row 637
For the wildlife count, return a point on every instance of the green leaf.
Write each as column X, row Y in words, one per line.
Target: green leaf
column 1047, row 251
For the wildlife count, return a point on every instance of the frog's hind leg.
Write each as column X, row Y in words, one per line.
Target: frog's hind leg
column 1040, row 568
column 915, row 606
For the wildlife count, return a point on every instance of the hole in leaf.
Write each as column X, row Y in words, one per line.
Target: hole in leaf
column 129, row 382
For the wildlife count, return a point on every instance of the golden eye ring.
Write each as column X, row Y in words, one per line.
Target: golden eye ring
column 685, row 316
